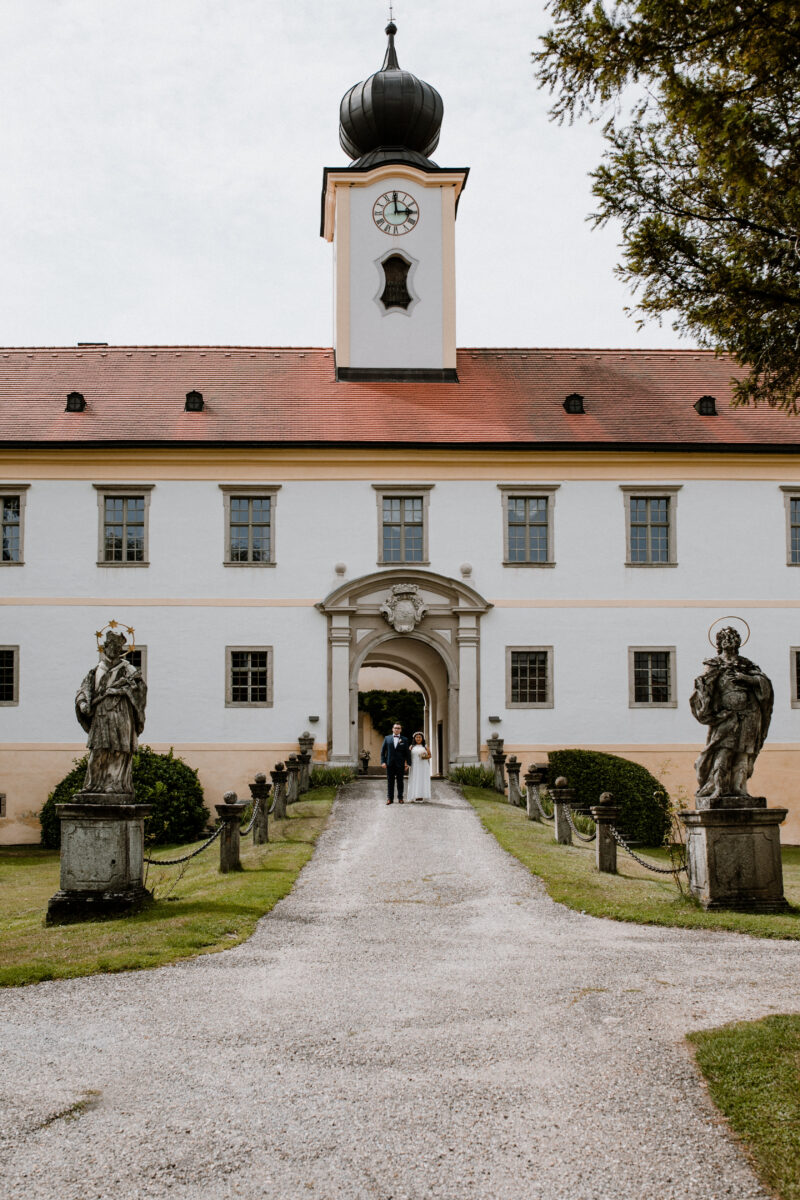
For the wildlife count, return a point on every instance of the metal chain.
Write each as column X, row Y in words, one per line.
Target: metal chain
column 619, row 839
column 538, row 803
column 584, row 837
column 173, row 862
column 256, row 806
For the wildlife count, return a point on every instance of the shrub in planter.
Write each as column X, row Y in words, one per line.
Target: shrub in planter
column 644, row 804
column 162, row 780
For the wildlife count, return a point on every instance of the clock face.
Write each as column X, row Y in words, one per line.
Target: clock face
column 395, row 213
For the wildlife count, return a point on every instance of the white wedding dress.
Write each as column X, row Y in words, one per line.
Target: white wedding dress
column 419, row 775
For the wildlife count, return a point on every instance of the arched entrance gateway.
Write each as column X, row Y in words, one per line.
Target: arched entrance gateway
column 423, row 624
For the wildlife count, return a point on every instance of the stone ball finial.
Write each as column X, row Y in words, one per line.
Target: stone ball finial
column 606, row 798
column 561, row 782
column 230, row 798
column 466, row 570
column 261, row 777
column 340, row 568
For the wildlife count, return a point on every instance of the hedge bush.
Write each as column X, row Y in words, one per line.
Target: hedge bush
column 385, row 708
column 162, row 780
column 480, row 777
column 644, row 804
column 330, row 776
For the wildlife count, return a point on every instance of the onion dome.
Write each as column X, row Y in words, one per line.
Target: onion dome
column 390, row 117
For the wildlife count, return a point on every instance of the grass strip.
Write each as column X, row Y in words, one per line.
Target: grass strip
column 202, row 913
column 570, row 876
column 753, row 1075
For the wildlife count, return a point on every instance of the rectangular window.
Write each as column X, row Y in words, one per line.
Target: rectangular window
column 9, row 675
column 124, row 510
column 402, row 523
column 12, row 512
column 650, row 526
column 794, row 668
column 651, row 672
column 528, row 524
column 529, row 677
column 138, row 658
column 249, row 677
column 249, row 524
column 791, row 498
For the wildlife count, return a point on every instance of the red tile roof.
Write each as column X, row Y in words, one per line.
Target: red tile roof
column 288, row 395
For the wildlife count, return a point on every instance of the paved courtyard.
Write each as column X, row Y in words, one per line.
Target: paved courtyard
column 416, row 1020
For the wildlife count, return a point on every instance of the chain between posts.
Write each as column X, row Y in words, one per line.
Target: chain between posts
column 173, row 862
column 620, row 840
column 584, row 837
column 256, row 807
column 538, row 804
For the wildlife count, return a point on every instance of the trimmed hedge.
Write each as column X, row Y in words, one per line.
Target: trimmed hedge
column 644, row 804
column 330, row 776
column 166, row 782
column 480, row 777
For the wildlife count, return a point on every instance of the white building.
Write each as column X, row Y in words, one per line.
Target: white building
column 563, row 526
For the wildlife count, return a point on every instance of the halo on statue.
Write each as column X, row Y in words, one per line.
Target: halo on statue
column 719, row 621
column 114, row 626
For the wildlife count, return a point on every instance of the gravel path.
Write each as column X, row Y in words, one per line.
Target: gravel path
column 416, row 1020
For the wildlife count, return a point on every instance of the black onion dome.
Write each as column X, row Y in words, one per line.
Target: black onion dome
column 391, row 116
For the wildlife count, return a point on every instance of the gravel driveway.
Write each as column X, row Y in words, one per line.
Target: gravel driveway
column 417, row 1019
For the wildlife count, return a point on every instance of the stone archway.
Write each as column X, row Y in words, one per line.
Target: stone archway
column 425, row 667
column 411, row 606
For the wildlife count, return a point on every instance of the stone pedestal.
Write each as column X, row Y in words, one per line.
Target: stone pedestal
column 605, row 814
column 292, row 779
column 512, row 770
column 279, row 791
column 563, row 796
column 259, row 790
column 102, row 858
column 734, row 855
column 230, row 812
column 535, row 776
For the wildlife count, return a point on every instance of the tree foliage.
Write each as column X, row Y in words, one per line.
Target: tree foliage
column 701, row 103
column 642, row 801
column 385, row 708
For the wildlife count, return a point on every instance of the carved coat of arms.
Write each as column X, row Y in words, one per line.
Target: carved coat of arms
column 404, row 608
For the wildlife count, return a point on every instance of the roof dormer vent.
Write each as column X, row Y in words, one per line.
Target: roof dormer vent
column 706, row 406
column 574, row 403
column 194, row 402
column 76, row 402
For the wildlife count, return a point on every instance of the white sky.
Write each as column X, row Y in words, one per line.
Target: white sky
column 162, row 164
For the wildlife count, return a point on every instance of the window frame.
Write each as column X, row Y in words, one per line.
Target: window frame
column 14, row 702
column 790, row 492
column 143, row 651
column 656, row 491
column 129, row 491
column 529, row 491
column 411, row 491
column 19, row 490
column 250, row 491
column 550, row 701
column 672, row 656
column 794, row 675
column 229, row 701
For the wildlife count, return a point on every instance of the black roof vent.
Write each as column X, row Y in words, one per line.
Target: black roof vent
column 194, row 402
column 706, row 406
column 75, row 402
column 574, row 403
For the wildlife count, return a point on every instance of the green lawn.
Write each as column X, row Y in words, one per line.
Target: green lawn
column 569, row 874
column 198, row 913
column 753, row 1074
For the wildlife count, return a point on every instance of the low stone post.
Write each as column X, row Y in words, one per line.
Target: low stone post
column 493, row 743
column 499, row 761
column 304, row 777
column 513, row 767
column 279, row 791
column 306, row 744
column 605, row 814
column 535, row 776
column 259, row 790
column 364, row 756
column 230, row 812
column 563, row 795
column 292, row 779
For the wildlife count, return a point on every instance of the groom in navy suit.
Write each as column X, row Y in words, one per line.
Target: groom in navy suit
column 395, row 759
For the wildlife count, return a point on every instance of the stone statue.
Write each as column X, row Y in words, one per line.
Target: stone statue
column 110, row 707
column 734, row 698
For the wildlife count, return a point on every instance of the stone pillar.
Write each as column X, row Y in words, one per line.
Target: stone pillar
column 259, row 790
column 279, row 791
column 292, row 779
column 493, row 743
column 734, row 855
column 605, row 814
column 306, row 744
column 499, row 760
column 563, row 795
column 102, row 859
column 340, row 637
column 364, row 756
column 467, row 638
column 512, row 769
column 230, row 813
column 535, row 776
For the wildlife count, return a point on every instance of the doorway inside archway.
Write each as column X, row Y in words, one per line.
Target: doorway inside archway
column 407, row 665
column 384, row 697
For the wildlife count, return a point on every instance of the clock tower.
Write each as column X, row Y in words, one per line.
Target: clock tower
column 391, row 217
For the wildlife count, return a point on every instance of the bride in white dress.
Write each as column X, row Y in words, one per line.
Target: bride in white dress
column 419, row 775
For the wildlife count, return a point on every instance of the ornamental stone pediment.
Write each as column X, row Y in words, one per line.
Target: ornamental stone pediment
column 404, row 608
column 438, row 594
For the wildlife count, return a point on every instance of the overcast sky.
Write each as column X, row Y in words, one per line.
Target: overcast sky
column 162, row 164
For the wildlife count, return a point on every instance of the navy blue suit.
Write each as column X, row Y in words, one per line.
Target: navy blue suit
column 396, row 758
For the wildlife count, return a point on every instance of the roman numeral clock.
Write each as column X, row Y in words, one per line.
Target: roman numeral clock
column 395, row 213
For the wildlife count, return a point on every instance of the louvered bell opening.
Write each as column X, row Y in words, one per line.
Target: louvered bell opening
column 574, row 403
column 194, row 402
column 76, row 402
column 706, row 406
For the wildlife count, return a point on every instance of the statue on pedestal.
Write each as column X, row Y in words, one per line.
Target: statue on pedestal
column 734, row 698
column 110, row 707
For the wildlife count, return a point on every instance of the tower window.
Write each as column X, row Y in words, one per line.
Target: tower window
column 395, row 293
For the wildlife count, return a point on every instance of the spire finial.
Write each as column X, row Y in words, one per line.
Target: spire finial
column 390, row 62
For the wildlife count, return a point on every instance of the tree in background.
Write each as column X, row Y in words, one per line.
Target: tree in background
column 387, row 707
column 701, row 100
